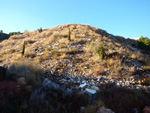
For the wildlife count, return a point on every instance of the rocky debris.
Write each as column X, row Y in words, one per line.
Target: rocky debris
column 49, row 87
column 104, row 110
column 146, row 109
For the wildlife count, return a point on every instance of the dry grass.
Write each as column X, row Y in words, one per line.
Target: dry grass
column 62, row 46
column 30, row 54
column 146, row 81
column 64, row 41
column 93, row 108
column 70, row 51
column 64, row 56
column 44, row 57
column 17, row 58
column 48, row 49
column 146, row 68
column 52, row 38
column 98, row 70
column 30, row 71
column 81, row 41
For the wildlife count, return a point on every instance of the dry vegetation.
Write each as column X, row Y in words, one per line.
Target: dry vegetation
column 53, row 44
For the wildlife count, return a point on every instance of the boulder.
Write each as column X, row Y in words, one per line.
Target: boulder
column 104, row 110
column 146, row 109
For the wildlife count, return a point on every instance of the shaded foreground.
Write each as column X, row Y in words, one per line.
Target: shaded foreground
column 25, row 88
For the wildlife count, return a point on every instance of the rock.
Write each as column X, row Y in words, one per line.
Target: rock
column 134, row 110
column 82, row 85
column 104, row 110
column 2, row 73
column 83, row 109
column 11, row 70
column 21, row 81
column 146, row 109
column 38, row 96
column 50, row 85
column 22, row 71
column 95, row 88
column 90, row 91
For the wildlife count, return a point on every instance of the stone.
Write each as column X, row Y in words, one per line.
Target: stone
column 134, row 110
column 2, row 73
column 50, row 85
column 90, row 91
column 95, row 88
column 11, row 70
column 104, row 110
column 146, row 109
column 82, row 85
column 83, row 109
column 38, row 96
column 21, row 81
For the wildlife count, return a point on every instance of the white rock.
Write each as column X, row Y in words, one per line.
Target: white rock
column 90, row 91
column 95, row 88
column 82, row 85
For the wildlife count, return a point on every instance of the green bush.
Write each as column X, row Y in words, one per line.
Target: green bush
column 144, row 43
column 101, row 51
column 69, row 35
column 1, row 31
column 23, row 49
column 40, row 30
column 15, row 33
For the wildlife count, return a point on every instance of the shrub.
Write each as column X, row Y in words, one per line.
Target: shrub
column 144, row 43
column 23, row 49
column 1, row 31
column 40, row 30
column 100, row 51
column 69, row 35
column 123, row 100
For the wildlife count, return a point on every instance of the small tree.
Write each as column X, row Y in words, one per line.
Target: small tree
column 144, row 43
column 69, row 35
column 23, row 49
column 101, row 52
column 40, row 30
column 1, row 31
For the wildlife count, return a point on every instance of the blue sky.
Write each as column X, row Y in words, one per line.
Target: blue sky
column 128, row 18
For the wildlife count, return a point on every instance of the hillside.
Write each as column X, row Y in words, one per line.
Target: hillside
column 76, row 64
column 54, row 52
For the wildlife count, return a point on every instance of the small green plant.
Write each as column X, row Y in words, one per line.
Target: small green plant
column 69, row 35
column 23, row 49
column 101, row 52
column 144, row 43
column 40, row 30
